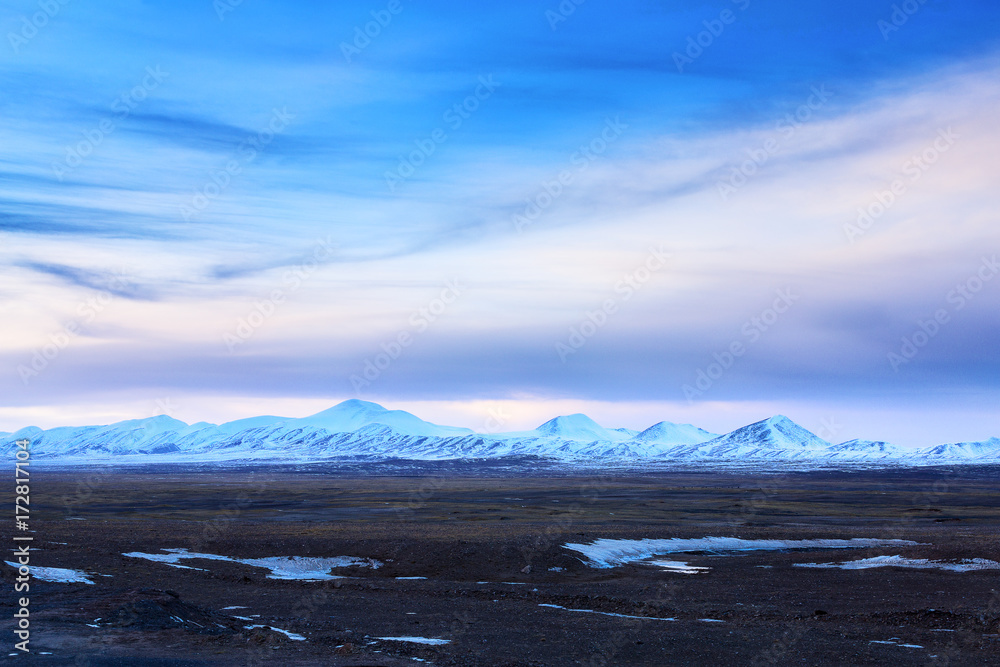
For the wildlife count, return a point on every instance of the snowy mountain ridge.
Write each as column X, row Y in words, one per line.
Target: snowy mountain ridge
column 366, row 431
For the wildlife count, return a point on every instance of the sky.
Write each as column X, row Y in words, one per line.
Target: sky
column 701, row 212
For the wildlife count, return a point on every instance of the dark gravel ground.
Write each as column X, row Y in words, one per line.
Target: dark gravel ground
column 489, row 544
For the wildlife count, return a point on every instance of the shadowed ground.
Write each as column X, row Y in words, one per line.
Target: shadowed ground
column 489, row 542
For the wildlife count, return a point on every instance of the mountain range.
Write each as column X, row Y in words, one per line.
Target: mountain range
column 361, row 430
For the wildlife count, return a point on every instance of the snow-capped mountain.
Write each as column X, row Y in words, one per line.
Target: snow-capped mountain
column 668, row 433
column 964, row 450
column 360, row 430
column 354, row 415
column 865, row 449
column 778, row 432
column 579, row 427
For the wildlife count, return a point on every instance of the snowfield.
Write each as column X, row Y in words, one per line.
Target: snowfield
column 607, row 553
column 965, row 565
column 57, row 575
column 301, row 568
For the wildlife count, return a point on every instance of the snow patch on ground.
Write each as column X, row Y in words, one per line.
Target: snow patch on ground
column 174, row 556
column 964, row 565
column 891, row 643
column 417, row 640
column 679, row 566
column 290, row 635
column 307, row 568
column 606, row 613
column 300, row 568
column 57, row 575
column 606, row 553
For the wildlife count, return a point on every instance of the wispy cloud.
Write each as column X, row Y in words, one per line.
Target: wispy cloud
column 116, row 283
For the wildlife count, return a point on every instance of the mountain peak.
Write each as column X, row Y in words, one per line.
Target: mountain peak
column 669, row 433
column 777, row 432
column 353, row 406
column 157, row 424
column 579, row 427
column 354, row 414
column 576, row 419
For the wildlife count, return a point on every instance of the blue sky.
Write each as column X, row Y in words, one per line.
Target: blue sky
column 222, row 209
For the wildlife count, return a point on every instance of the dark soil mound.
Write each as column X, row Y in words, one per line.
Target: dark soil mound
column 153, row 609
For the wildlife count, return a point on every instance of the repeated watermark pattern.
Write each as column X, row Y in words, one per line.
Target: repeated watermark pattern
column 393, row 349
column 223, row 522
column 264, row 309
column 969, row 640
column 557, row 527
column 757, row 157
column 454, row 116
column 704, row 39
column 611, row 644
column 751, row 331
column 900, row 15
column 223, row 7
column 87, row 484
column 122, row 107
column 581, row 159
column 87, row 310
column 219, row 180
column 779, row 652
column 48, row 10
column 363, row 35
column 563, row 11
column 913, row 169
column 419, row 496
column 764, row 494
column 594, row 320
column 957, row 299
